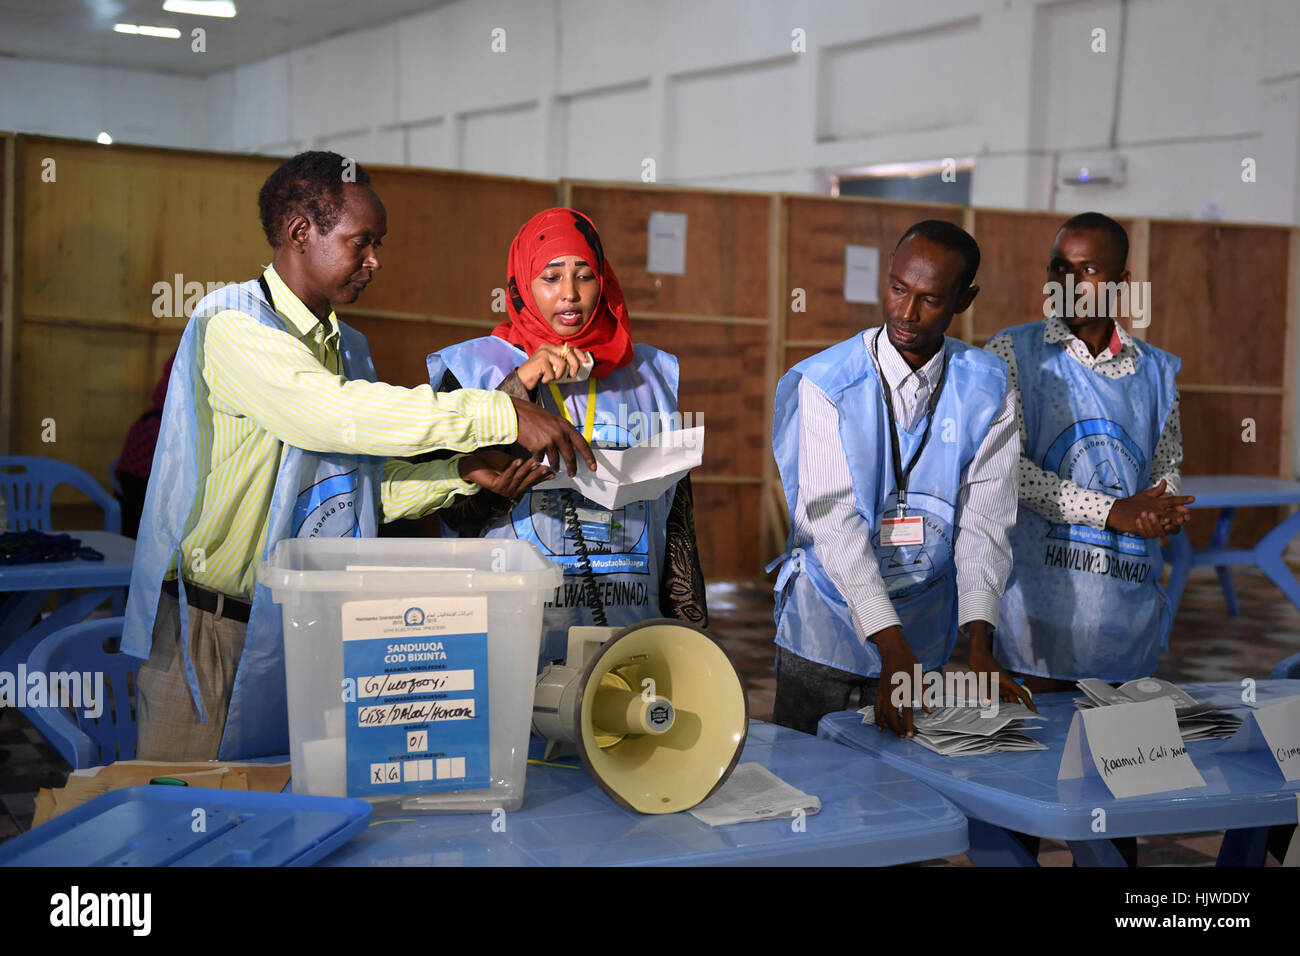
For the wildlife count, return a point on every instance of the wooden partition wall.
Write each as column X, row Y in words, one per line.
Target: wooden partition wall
column 444, row 259
column 718, row 318
column 89, row 230
column 96, row 229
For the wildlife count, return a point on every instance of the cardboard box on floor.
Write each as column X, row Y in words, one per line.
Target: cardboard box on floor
column 85, row 785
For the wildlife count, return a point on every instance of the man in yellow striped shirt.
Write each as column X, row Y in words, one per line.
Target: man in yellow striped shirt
column 252, row 390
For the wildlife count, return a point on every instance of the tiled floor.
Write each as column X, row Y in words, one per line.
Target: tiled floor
column 1206, row 645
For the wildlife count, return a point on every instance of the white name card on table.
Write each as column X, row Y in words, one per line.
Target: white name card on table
column 1136, row 749
column 1273, row 727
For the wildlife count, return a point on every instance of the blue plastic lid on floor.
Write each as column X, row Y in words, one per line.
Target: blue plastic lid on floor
column 191, row 826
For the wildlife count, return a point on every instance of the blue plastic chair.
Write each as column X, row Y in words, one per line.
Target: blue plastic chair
column 113, row 483
column 91, row 647
column 28, row 485
column 1287, row 668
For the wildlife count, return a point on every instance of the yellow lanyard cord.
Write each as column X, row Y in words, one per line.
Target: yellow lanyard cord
column 589, row 418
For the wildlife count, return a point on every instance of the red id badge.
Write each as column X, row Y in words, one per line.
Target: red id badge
column 897, row 531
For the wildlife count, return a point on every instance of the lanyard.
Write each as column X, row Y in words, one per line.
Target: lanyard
column 589, row 418
column 901, row 474
column 266, row 291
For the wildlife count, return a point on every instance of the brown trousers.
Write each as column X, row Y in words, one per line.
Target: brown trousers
column 169, row 725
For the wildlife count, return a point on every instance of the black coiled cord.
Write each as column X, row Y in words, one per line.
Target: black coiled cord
column 584, row 561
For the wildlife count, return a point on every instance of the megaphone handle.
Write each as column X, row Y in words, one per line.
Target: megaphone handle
column 584, row 561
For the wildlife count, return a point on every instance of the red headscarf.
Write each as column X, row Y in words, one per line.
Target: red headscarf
column 551, row 234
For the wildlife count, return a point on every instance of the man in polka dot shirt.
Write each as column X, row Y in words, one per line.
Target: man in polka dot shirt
column 1101, row 446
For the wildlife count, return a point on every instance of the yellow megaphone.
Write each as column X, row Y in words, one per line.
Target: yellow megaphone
column 656, row 712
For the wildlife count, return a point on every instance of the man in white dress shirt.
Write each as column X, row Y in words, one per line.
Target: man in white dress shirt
column 898, row 453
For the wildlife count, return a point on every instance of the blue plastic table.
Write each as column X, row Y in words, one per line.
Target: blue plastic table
column 1244, row 792
column 29, row 586
column 1228, row 493
column 871, row 814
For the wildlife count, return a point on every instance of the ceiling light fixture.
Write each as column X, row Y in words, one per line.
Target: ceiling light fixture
column 169, row 33
column 201, row 8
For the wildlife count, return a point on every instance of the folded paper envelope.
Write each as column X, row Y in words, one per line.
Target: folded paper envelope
column 640, row 473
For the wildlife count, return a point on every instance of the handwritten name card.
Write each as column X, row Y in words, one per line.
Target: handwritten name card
column 1136, row 749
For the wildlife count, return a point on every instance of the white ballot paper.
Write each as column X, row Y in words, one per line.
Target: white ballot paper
column 1135, row 749
column 861, row 274
column 666, row 250
column 1196, row 720
column 961, row 730
column 753, row 792
column 640, row 473
column 1273, row 727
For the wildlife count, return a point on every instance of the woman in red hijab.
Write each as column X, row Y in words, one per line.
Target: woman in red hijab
column 567, row 315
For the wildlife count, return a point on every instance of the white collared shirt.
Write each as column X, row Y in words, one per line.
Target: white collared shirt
column 826, row 513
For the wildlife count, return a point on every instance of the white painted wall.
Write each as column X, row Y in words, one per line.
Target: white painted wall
column 716, row 95
column 62, row 99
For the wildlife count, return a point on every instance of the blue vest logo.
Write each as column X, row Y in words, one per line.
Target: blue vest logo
column 1087, row 453
column 327, row 508
column 1075, row 453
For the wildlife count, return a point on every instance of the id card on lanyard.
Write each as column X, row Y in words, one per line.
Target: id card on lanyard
column 902, row 530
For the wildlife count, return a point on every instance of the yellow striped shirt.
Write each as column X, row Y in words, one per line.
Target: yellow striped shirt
column 264, row 388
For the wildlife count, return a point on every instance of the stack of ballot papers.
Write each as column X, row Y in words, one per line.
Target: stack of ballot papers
column 958, row 731
column 1196, row 721
column 753, row 792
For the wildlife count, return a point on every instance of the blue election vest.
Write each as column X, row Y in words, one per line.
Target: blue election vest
column 626, row 546
column 315, row 495
column 812, row 618
column 1082, row 602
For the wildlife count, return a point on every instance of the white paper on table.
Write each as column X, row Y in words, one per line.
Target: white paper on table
column 1274, row 727
column 1136, row 749
column 640, row 473
column 753, row 792
column 861, row 274
column 667, row 247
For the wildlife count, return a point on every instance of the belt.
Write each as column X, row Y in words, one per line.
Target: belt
column 215, row 602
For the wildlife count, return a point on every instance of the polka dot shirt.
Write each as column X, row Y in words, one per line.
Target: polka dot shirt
column 1058, row 499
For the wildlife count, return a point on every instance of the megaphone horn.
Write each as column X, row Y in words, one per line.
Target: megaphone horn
column 656, row 711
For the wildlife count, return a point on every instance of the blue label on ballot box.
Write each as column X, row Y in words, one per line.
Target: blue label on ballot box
column 416, row 690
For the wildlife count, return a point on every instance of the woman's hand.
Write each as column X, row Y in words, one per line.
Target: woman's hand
column 497, row 472
column 550, row 362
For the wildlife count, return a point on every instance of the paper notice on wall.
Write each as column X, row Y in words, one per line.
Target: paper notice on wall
column 667, row 247
column 861, row 274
